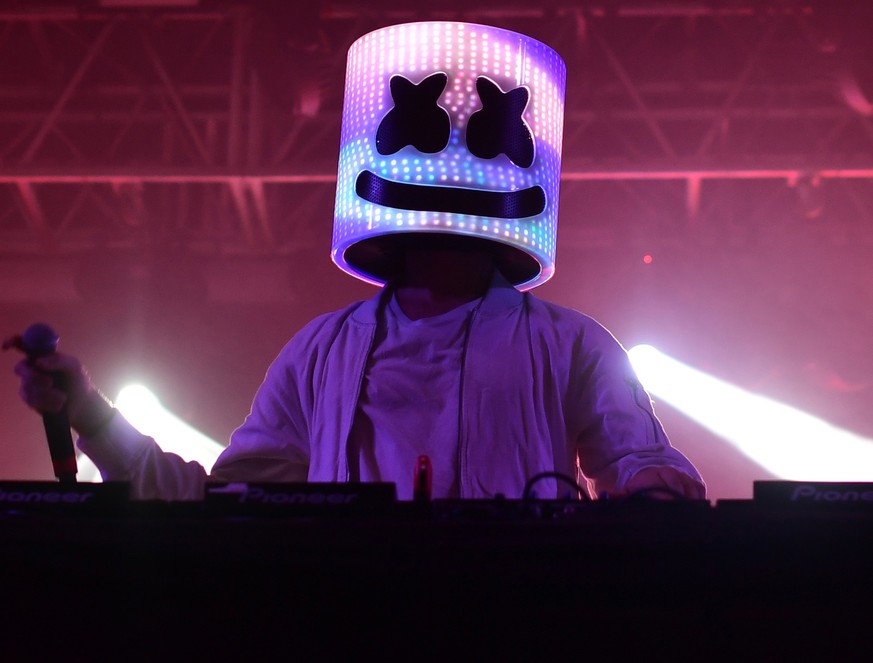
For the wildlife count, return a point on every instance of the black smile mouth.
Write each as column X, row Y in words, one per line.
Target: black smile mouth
column 424, row 198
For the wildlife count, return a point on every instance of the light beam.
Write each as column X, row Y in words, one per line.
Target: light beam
column 145, row 412
column 792, row 444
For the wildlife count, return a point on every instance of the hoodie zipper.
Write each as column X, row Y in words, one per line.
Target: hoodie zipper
column 462, row 441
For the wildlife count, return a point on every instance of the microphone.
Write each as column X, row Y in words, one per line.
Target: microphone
column 40, row 340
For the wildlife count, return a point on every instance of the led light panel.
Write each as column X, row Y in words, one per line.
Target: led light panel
column 450, row 128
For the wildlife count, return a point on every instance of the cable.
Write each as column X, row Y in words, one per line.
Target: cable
column 528, row 493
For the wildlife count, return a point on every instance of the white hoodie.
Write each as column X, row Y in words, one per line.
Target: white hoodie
column 543, row 389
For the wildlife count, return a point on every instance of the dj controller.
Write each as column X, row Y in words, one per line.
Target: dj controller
column 347, row 571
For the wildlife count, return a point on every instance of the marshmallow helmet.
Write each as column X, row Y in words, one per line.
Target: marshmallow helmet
column 449, row 130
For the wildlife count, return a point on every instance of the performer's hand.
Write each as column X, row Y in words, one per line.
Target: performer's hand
column 664, row 483
column 39, row 391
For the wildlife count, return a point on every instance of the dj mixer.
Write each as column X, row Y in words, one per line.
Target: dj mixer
column 347, row 571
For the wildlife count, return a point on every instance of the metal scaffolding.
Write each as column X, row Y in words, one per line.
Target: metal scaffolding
column 213, row 128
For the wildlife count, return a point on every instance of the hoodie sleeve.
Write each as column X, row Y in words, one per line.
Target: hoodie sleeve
column 620, row 434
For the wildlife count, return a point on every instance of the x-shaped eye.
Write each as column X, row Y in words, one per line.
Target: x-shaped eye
column 498, row 127
column 416, row 119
